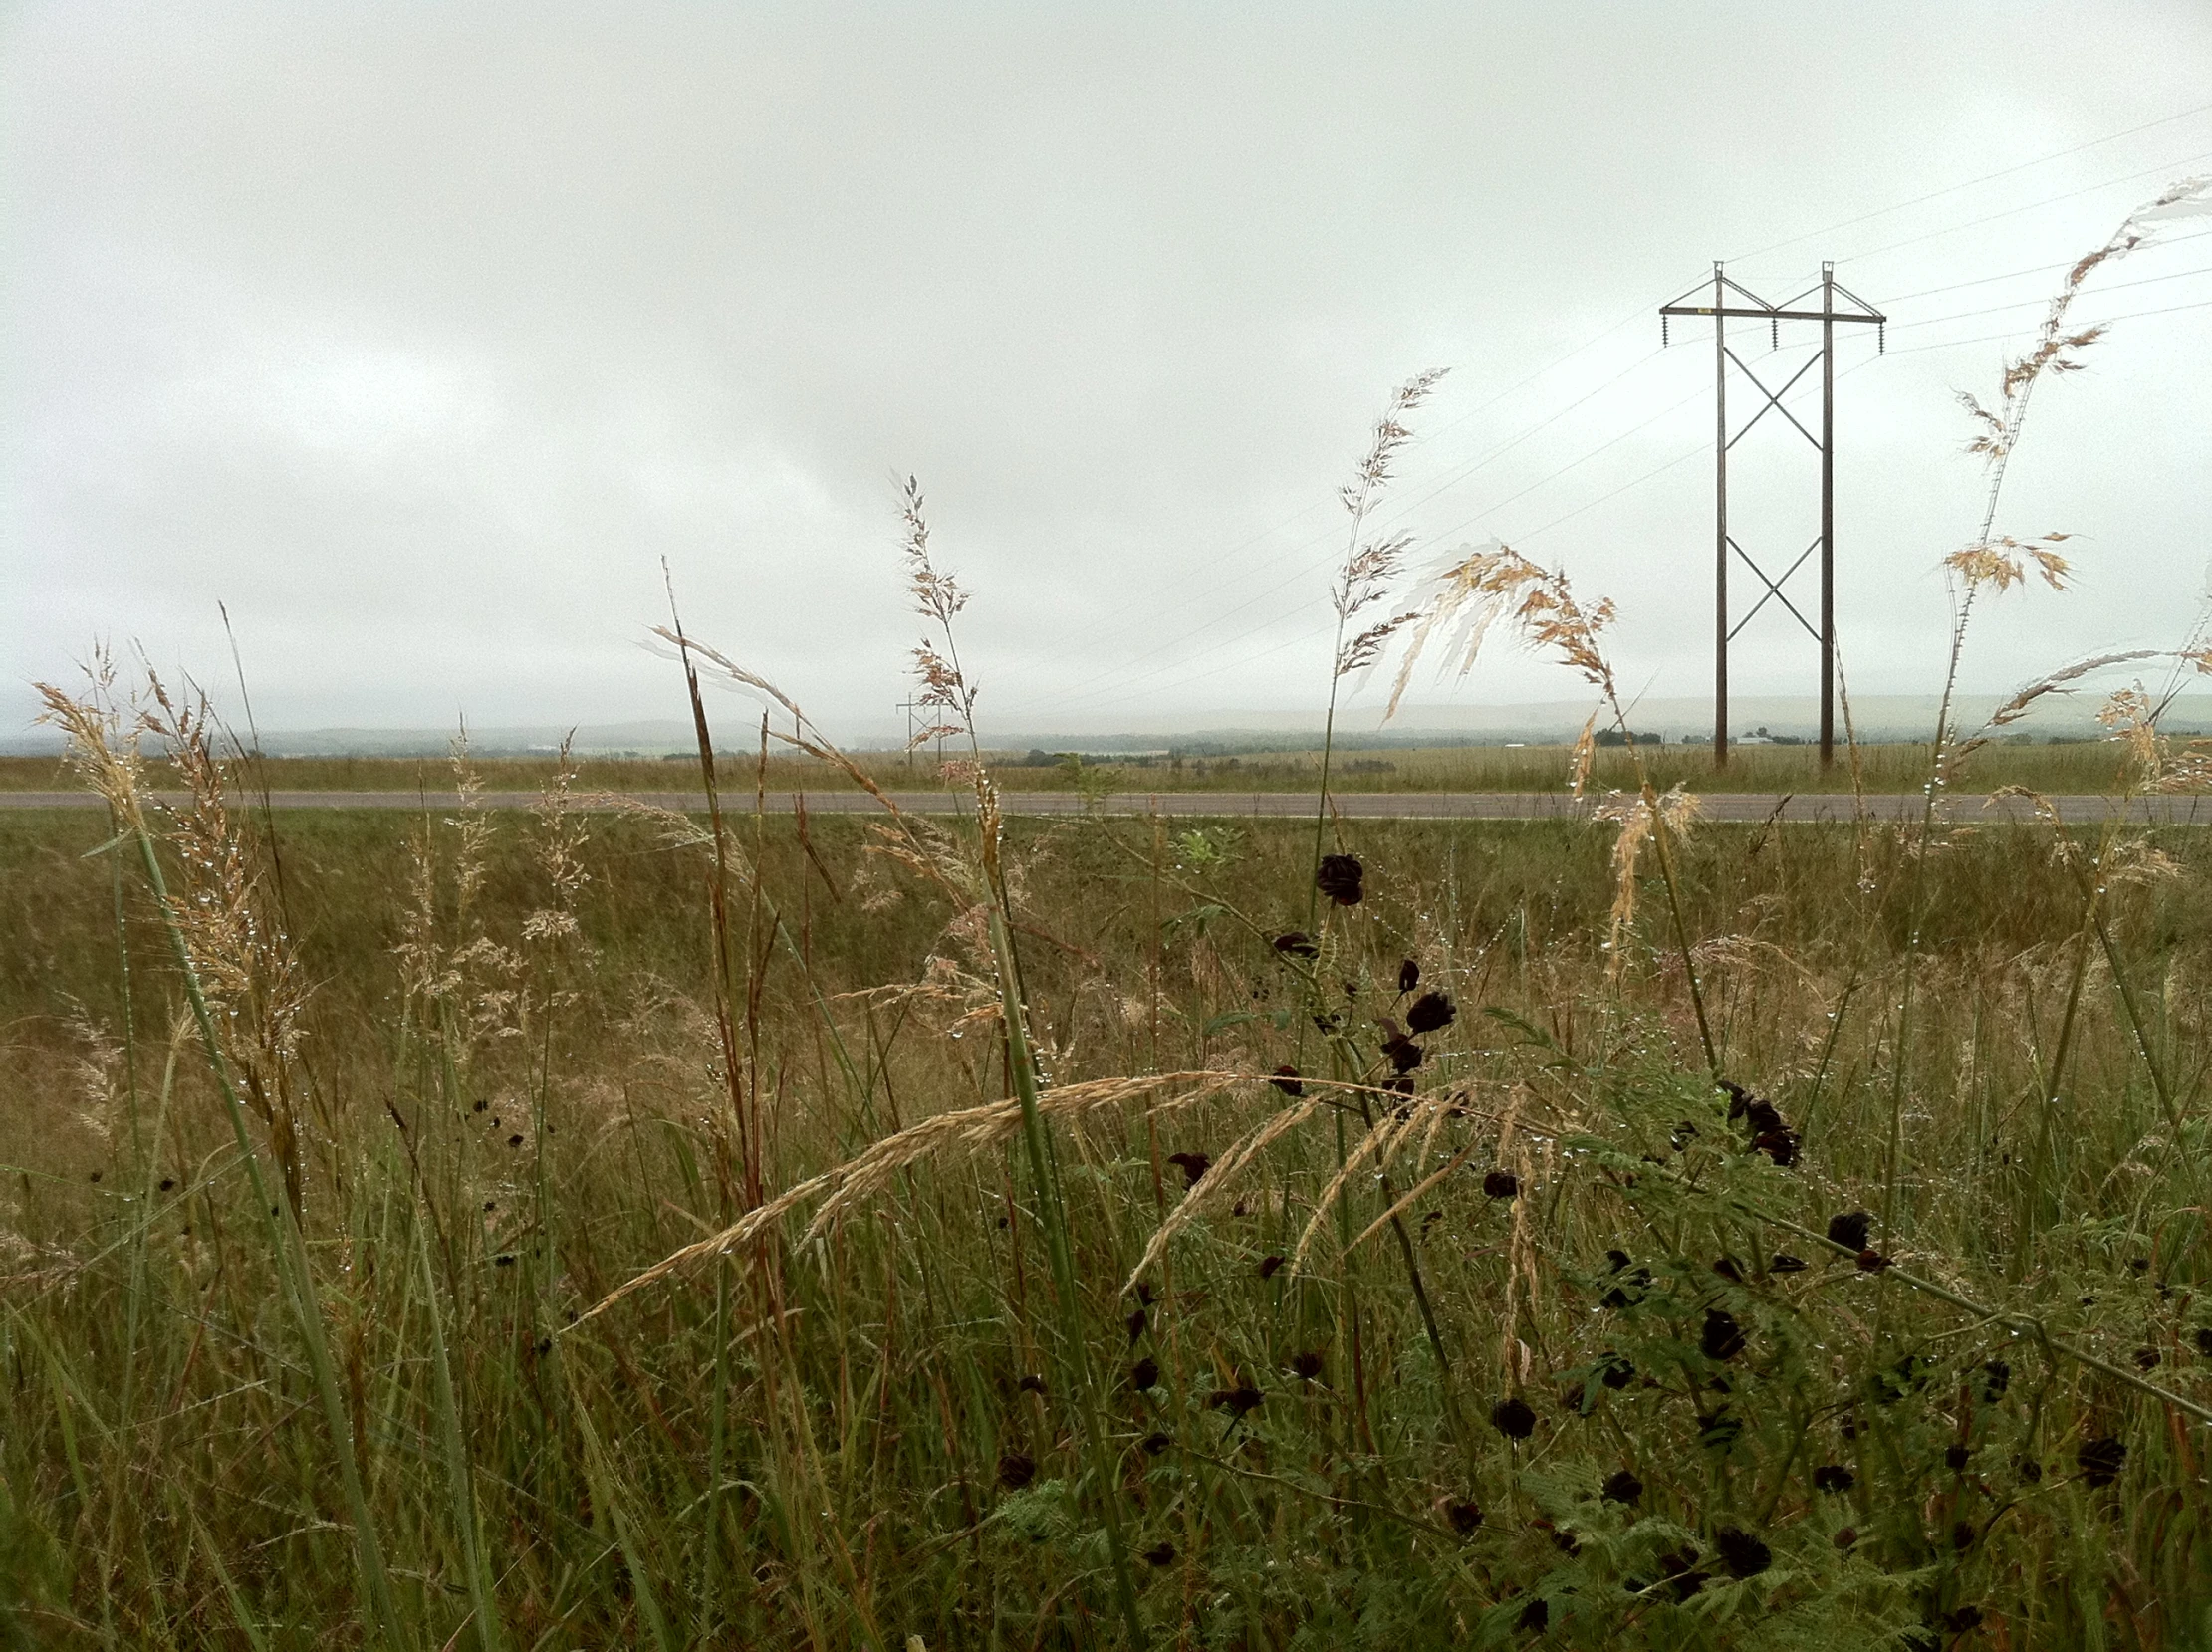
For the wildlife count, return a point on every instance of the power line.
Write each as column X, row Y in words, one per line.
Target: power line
column 1988, row 337
column 1971, row 183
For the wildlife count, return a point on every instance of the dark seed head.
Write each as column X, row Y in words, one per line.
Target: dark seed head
column 1513, row 1418
column 1719, row 1431
column 2028, row 1470
column 1995, row 1379
column 1305, row 1366
column 2102, row 1459
column 1622, row 1486
column 167, row 1182
column 1742, row 1553
column 1192, row 1165
column 1286, row 1081
column 1779, row 1145
column 514, row 1141
column 1144, row 1374
column 1269, row 1266
column 1238, row 1401
column 1136, row 1322
column 1430, row 1012
column 1501, row 1184
column 1851, row 1230
column 1679, row 1572
column 1834, row 1476
column 1963, row 1619
column 1616, row 1260
column 1962, row 1536
column 1144, row 1292
column 1031, row 1384
column 1722, row 1337
column 1016, row 1470
column 1871, row 1262
column 1404, row 1053
column 1955, row 1458
column 1726, row 1268
column 505, row 1259
column 1465, row 1514
column 1160, row 1555
column 2147, row 1359
column 1535, row 1617
column 1613, row 1370
column 96, row 1175
column 1154, row 1444
column 1848, row 1537
column 1297, row 944
column 1410, row 976
column 1341, row 878
column 1784, row 1262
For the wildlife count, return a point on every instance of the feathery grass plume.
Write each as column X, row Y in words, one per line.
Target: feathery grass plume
column 937, row 597
column 1212, row 1187
column 1638, row 817
column 2055, row 682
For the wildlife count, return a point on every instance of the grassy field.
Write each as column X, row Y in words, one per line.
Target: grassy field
column 2090, row 767
column 1577, row 1390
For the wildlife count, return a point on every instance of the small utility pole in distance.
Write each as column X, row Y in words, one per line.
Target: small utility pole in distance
column 1752, row 306
column 908, row 706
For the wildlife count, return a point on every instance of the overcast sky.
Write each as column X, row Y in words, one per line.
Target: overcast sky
column 421, row 333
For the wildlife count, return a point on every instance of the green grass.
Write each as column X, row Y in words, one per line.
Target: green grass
column 2087, row 767
column 483, row 1160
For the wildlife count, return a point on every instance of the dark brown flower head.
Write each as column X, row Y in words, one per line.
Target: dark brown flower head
column 1501, row 1184
column 1722, row 1337
column 1136, row 1322
column 1403, row 1085
column 2147, row 1359
column 1286, row 1080
column 1617, row 1259
column 1784, row 1262
column 1268, row 1264
column 1678, row 1572
column 1341, row 878
column 1738, row 1100
column 505, row 1259
column 1719, row 1430
column 1742, row 1553
column 1153, row 1444
column 1192, row 1165
column 1031, row 1384
column 1851, row 1230
column 1464, row 1514
column 1144, row 1292
column 1305, row 1366
column 1404, row 1053
column 167, row 1182
column 1409, row 977
column 1963, row 1536
column 1779, row 1145
column 1995, row 1379
column 1160, row 1555
column 1846, row 1537
column 1144, row 1374
column 1513, row 1418
column 1430, row 1012
column 2028, row 1469
column 1871, row 1262
column 1726, row 1268
column 2102, row 1459
column 1623, row 1486
column 1297, row 944
column 1238, row 1401
column 1956, row 1457
column 1960, row 1619
column 1614, row 1370
column 1016, row 1470
column 1536, row 1616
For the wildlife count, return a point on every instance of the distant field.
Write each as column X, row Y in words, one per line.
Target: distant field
column 2084, row 768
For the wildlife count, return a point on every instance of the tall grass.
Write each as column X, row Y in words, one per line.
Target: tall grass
column 553, row 1230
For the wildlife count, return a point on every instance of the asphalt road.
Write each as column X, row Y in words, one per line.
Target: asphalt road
column 1392, row 805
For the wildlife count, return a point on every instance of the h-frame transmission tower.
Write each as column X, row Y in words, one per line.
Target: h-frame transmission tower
column 1731, row 300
